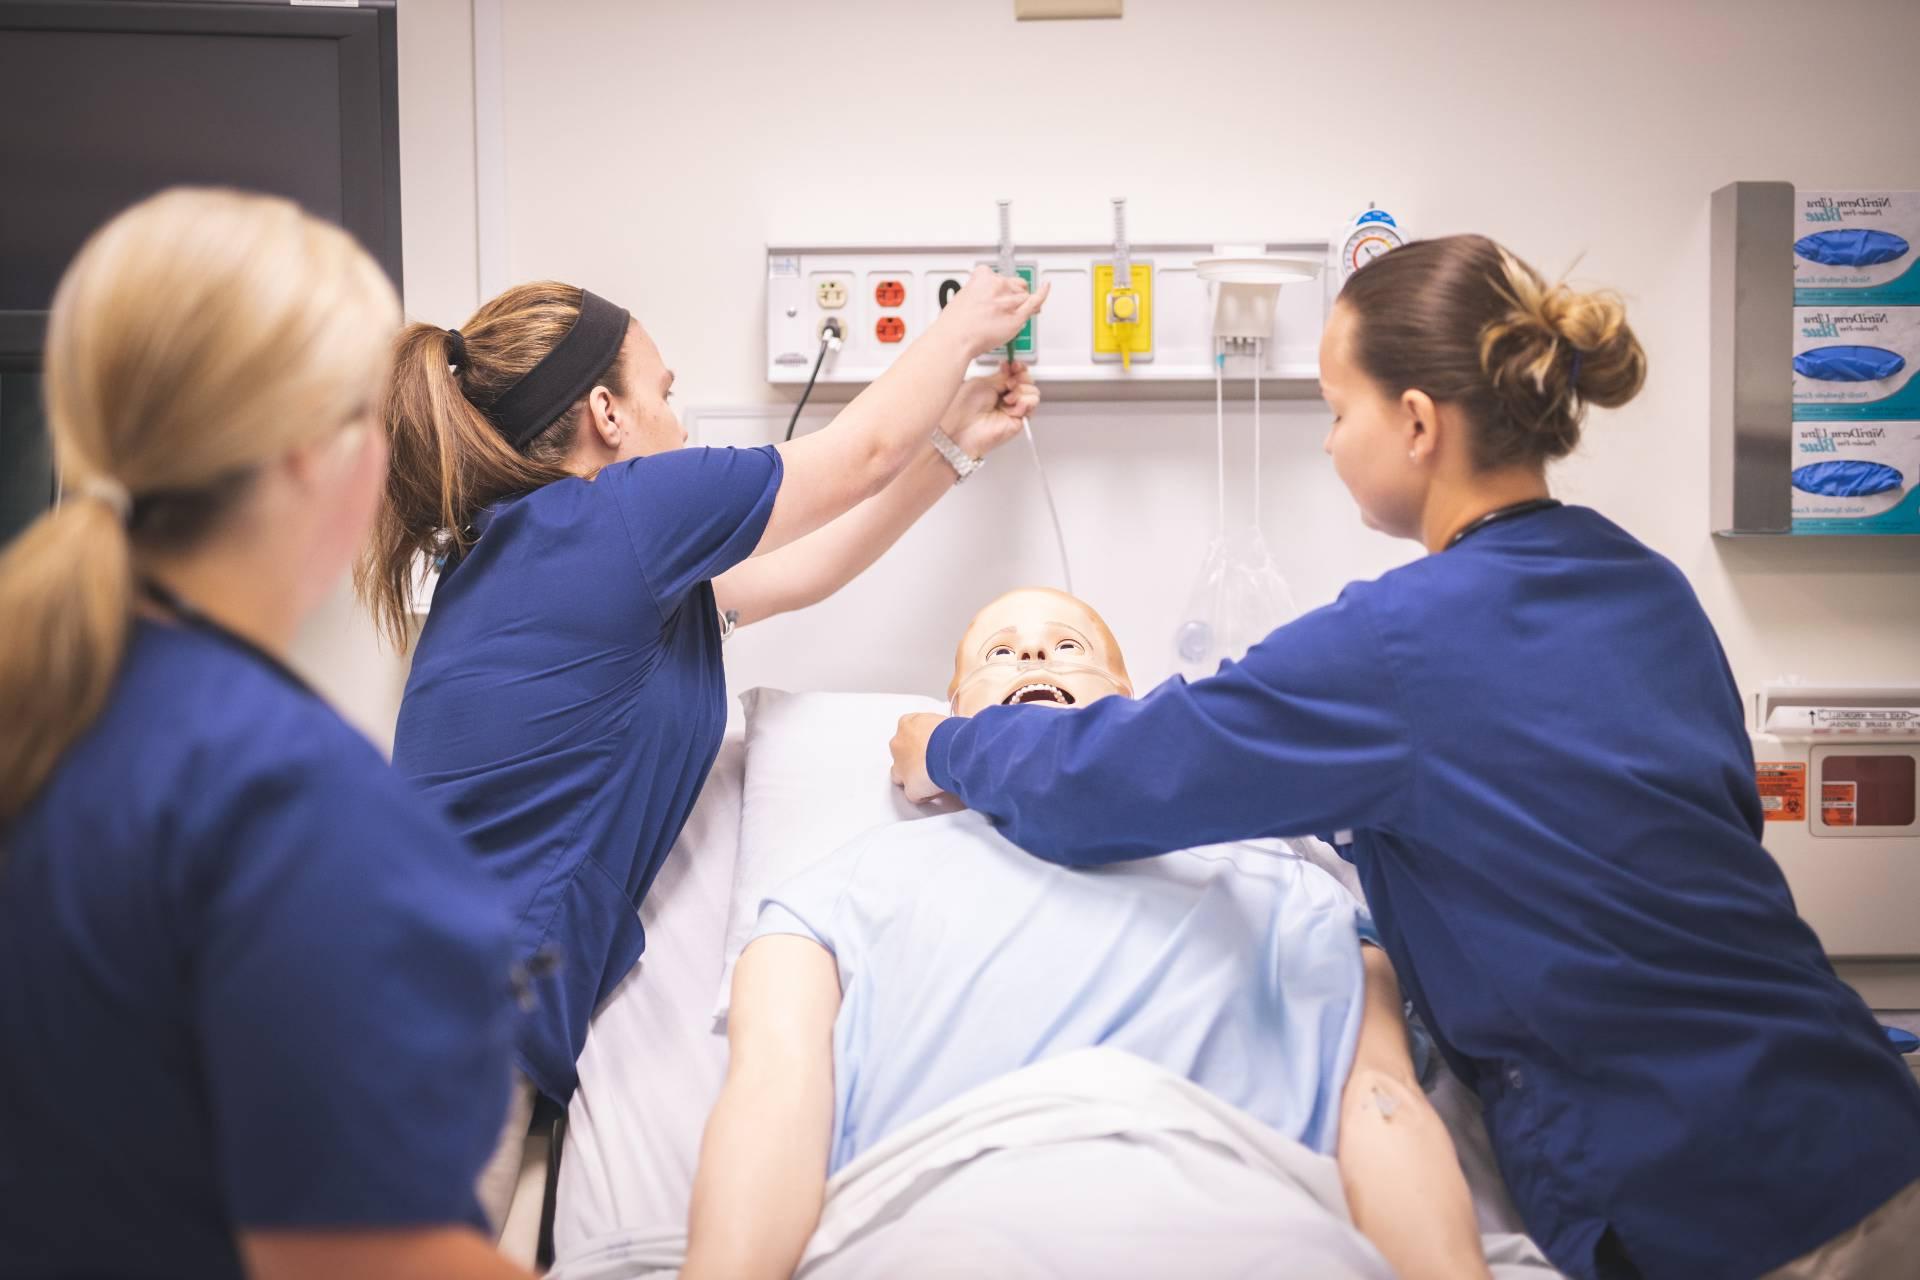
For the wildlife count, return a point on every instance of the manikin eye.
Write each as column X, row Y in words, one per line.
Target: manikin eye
column 1067, row 646
column 999, row 653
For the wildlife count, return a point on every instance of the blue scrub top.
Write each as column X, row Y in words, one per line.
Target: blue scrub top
column 248, row 980
column 1538, row 747
column 567, row 700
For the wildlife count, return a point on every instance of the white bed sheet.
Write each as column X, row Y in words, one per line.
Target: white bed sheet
column 654, row 1062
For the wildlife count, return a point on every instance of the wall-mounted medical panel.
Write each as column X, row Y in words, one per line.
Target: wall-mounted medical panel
column 1161, row 330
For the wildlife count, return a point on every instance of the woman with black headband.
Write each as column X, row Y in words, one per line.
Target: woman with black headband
column 566, row 698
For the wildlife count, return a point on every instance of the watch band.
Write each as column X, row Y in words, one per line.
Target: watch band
column 957, row 458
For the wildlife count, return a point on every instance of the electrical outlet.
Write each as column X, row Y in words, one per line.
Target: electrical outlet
column 890, row 293
column 830, row 292
column 890, row 329
column 832, row 325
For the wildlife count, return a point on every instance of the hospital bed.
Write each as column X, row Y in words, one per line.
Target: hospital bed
column 654, row 1061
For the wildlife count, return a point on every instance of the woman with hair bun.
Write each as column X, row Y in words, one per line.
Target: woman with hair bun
column 1531, row 747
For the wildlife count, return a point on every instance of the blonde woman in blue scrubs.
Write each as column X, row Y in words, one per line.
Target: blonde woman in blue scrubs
column 255, row 1011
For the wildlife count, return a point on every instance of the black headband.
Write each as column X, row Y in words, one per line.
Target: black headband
column 563, row 375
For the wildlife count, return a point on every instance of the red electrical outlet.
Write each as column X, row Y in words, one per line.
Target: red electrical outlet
column 890, row 293
column 890, row 329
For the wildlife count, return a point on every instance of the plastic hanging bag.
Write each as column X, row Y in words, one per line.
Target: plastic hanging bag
column 1239, row 600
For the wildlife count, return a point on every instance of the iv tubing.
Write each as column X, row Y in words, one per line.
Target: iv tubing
column 1220, row 435
column 1258, row 355
column 1059, row 537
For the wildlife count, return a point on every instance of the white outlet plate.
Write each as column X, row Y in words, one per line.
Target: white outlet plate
column 1182, row 311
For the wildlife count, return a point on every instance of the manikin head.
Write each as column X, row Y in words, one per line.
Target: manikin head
column 1036, row 646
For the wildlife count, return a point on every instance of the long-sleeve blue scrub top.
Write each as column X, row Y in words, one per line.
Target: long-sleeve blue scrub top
column 248, row 981
column 1535, row 747
column 567, row 700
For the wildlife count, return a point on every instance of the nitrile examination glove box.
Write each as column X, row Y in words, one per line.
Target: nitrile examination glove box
column 1856, row 362
column 1856, row 477
column 1856, row 248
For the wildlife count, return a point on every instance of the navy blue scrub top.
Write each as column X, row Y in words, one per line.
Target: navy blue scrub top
column 248, row 980
column 567, row 700
column 1538, row 748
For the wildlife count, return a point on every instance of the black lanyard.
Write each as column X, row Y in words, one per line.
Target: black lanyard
column 1498, row 514
column 188, row 616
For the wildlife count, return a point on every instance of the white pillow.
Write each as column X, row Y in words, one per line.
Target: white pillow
column 817, row 777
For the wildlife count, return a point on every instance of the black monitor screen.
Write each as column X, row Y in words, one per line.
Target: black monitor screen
column 91, row 121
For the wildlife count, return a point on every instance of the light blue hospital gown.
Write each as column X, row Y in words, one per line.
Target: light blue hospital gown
column 963, row 959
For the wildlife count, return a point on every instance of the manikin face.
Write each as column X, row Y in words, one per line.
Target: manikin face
column 1036, row 647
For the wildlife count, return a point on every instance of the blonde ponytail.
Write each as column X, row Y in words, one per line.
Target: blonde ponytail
column 196, row 336
column 449, row 462
column 66, row 588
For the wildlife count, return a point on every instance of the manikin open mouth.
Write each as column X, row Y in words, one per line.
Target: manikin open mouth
column 1037, row 691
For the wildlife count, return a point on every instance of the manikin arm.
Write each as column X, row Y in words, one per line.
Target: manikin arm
column 1397, row 1161
column 763, row 1161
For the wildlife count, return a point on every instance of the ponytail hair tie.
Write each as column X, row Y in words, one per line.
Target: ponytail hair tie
column 1573, row 376
column 456, row 350
column 109, row 493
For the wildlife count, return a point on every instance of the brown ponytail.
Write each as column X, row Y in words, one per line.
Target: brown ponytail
column 196, row 336
column 449, row 462
column 1466, row 322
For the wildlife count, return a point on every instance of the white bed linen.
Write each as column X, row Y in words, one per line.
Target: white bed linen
column 1096, row 1163
column 654, row 1062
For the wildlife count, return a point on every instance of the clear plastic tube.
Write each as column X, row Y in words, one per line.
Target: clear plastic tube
column 1006, row 238
column 1046, row 490
column 1220, row 435
column 1258, row 355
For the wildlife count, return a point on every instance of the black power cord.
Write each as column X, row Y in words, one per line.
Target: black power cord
column 830, row 336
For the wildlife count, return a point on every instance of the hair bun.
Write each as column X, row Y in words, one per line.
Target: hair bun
column 1556, row 350
column 1464, row 321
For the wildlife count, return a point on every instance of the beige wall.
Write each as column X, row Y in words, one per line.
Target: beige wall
column 653, row 149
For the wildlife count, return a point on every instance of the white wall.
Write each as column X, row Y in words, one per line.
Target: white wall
column 338, row 650
column 653, row 149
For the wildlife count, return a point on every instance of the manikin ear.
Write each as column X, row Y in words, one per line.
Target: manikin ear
column 605, row 417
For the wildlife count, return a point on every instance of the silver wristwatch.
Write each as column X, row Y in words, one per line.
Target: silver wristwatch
column 963, row 466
